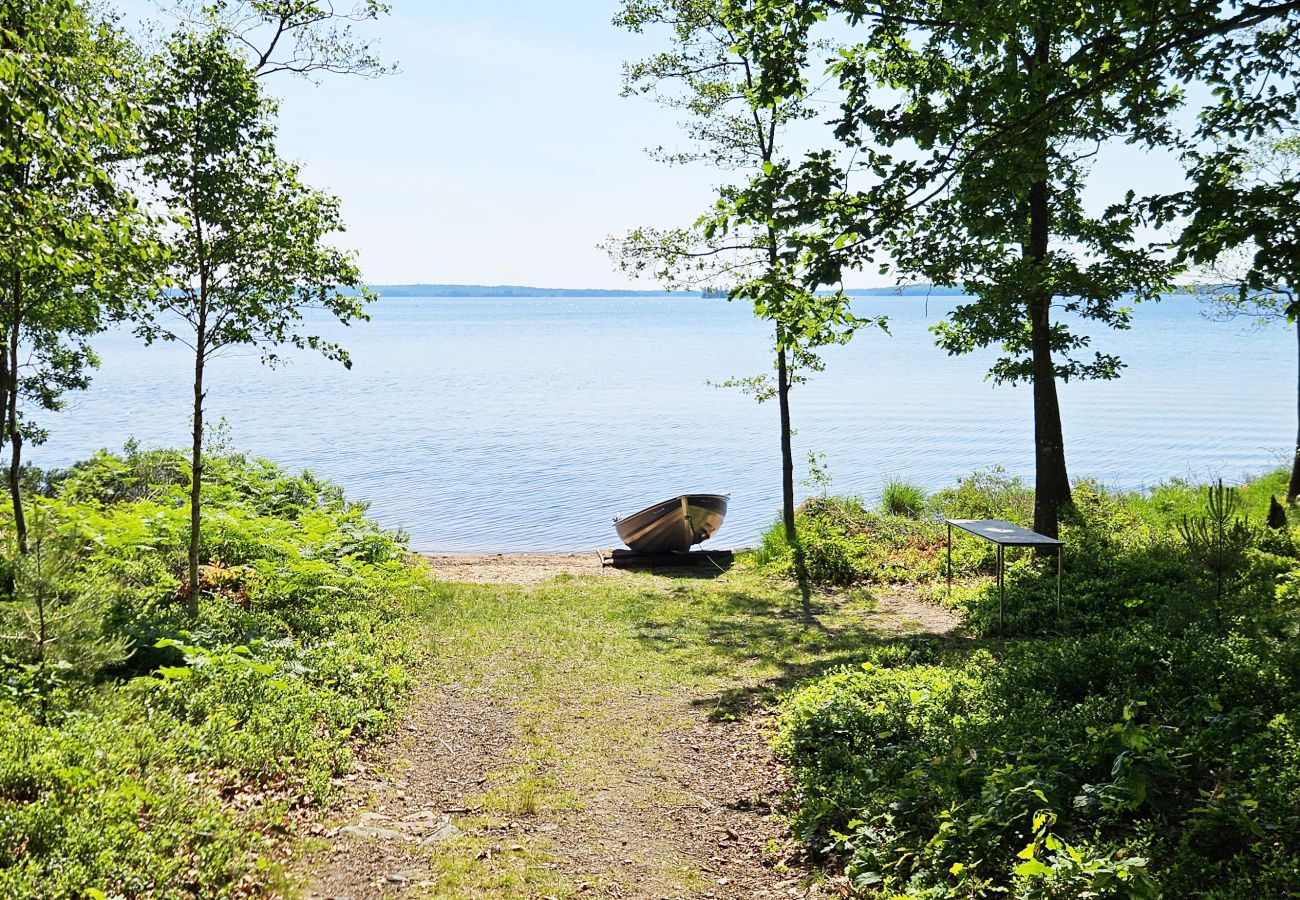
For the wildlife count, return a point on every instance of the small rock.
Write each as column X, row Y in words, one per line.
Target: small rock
column 370, row 831
column 441, row 834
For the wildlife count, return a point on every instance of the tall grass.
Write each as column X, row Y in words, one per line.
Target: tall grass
column 903, row 498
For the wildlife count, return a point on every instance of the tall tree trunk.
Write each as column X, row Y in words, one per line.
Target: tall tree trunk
column 1293, row 489
column 196, row 465
column 11, row 399
column 787, row 449
column 1051, row 480
column 4, row 381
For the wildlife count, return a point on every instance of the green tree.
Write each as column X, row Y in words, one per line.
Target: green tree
column 1242, row 231
column 977, row 165
column 248, row 244
column 71, row 238
column 750, row 243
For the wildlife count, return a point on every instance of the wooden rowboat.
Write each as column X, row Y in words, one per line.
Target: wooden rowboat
column 674, row 525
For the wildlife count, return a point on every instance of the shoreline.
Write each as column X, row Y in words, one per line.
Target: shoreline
column 523, row 568
column 513, row 568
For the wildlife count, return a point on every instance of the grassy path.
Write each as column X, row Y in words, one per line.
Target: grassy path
column 595, row 736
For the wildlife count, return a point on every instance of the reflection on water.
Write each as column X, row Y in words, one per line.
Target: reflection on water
column 527, row 424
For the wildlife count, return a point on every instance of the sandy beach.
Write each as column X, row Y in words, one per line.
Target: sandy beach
column 516, row 568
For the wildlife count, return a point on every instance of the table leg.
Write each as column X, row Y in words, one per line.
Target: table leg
column 1060, row 554
column 1002, row 586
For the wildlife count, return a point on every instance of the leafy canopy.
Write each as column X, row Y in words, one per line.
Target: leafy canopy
column 248, row 243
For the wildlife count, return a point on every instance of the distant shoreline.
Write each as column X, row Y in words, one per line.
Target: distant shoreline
column 511, row 290
column 506, row 291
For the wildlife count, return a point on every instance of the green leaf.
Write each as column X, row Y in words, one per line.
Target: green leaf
column 1032, row 869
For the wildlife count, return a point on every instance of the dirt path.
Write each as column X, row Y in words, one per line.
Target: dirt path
column 410, row 790
column 697, row 814
column 531, row 791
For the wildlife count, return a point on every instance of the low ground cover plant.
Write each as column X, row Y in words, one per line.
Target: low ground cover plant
column 146, row 752
column 845, row 541
column 1143, row 746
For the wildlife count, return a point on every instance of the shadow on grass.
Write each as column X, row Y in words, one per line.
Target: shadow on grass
column 784, row 634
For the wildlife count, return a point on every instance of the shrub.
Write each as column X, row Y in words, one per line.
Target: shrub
column 1150, row 750
column 301, row 646
column 1147, row 753
column 843, row 542
column 987, row 494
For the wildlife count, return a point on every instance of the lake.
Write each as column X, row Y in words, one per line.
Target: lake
column 526, row 424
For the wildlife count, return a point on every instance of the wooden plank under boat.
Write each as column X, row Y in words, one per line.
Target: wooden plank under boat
column 711, row 560
column 674, row 525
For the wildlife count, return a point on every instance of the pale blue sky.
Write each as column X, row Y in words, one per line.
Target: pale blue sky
column 502, row 152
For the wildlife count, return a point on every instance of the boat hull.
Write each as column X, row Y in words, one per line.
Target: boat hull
column 674, row 525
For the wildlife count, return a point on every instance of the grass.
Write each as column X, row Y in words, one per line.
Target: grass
column 903, row 498
column 312, row 624
column 598, row 671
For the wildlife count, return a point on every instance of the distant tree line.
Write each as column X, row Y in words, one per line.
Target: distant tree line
column 519, row 290
column 958, row 143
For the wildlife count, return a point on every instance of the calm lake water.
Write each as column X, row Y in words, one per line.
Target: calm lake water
column 525, row 424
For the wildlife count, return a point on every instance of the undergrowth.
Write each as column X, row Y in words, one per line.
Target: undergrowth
column 1142, row 745
column 170, row 767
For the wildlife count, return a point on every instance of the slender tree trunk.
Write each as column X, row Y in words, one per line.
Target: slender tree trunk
column 15, row 434
column 4, row 380
column 1293, row 489
column 787, row 449
column 4, row 393
column 196, row 465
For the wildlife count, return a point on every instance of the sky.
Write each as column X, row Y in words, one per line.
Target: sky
column 502, row 151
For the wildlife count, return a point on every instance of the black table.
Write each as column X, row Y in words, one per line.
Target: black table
column 1005, row 534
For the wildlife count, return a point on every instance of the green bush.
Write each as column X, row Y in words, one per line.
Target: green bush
column 1148, row 754
column 844, row 542
column 1143, row 745
column 987, row 494
column 302, row 645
